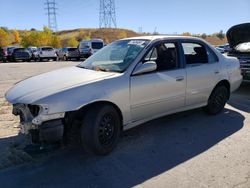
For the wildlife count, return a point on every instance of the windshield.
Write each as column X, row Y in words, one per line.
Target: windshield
column 72, row 49
column 19, row 50
column 47, row 49
column 115, row 57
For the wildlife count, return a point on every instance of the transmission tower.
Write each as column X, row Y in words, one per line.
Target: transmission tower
column 51, row 12
column 107, row 15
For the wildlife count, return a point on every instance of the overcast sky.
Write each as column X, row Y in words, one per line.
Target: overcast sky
column 168, row 16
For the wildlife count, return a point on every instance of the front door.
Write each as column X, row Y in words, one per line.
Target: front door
column 156, row 93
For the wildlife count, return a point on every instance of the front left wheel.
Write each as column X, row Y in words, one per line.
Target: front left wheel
column 101, row 129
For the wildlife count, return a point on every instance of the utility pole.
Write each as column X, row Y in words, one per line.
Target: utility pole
column 107, row 14
column 50, row 7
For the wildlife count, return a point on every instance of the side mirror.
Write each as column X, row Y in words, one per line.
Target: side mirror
column 146, row 67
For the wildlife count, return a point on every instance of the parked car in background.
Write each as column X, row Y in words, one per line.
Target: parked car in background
column 68, row 53
column 32, row 50
column 19, row 54
column 221, row 50
column 45, row 52
column 3, row 55
column 7, row 51
column 238, row 37
column 89, row 47
column 127, row 83
column 225, row 47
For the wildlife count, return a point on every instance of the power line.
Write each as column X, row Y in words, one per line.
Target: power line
column 107, row 15
column 50, row 7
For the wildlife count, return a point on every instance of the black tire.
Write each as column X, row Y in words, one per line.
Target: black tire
column 65, row 58
column 40, row 59
column 13, row 59
column 217, row 100
column 100, row 130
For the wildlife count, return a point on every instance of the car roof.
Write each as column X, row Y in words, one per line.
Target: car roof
column 157, row 37
column 92, row 40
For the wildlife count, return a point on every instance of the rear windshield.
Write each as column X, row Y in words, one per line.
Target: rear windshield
column 9, row 50
column 72, row 49
column 97, row 45
column 47, row 49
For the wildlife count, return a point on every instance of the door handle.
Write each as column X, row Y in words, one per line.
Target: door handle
column 179, row 78
column 216, row 72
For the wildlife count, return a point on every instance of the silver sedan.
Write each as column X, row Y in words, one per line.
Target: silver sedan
column 127, row 83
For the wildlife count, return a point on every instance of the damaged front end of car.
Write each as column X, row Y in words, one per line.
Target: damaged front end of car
column 41, row 126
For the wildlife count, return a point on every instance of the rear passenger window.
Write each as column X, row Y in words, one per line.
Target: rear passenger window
column 195, row 53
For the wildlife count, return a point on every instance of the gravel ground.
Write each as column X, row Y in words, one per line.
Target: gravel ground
column 189, row 149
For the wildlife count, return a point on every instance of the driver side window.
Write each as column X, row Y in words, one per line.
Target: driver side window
column 164, row 55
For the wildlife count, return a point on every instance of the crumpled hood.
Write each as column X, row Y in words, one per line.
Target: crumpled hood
column 238, row 34
column 43, row 85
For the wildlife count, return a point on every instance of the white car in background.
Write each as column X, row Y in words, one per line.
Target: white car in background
column 45, row 52
column 127, row 83
column 89, row 47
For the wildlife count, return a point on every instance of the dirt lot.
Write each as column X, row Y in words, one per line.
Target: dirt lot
column 189, row 149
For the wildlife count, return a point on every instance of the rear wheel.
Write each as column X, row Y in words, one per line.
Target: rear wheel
column 217, row 100
column 65, row 58
column 40, row 59
column 100, row 130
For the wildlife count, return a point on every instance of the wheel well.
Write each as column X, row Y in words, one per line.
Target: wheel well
column 79, row 114
column 224, row 83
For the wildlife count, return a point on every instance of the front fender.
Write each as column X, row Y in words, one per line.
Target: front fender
column 75, row 98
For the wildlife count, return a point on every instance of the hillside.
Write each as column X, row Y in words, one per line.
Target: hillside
column 108, row 35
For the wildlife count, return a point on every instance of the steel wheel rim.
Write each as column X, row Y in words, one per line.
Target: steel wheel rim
column 107, row 130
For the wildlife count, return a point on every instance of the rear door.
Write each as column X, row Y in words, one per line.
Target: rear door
column 203, row 72
column 156, row 93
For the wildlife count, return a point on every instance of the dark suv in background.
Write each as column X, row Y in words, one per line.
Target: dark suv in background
column 68, row 53
column 19, row 54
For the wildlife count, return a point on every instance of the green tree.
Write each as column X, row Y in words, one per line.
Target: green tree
column 72, row 42
column 40, row 38
column 83, row 35
column 4, row 38
column 186, row 34
column 204, row 35
column 16, row 36
column 220, row 35
column 56, row 41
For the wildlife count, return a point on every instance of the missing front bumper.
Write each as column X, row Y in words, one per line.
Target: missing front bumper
column 42, row 128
